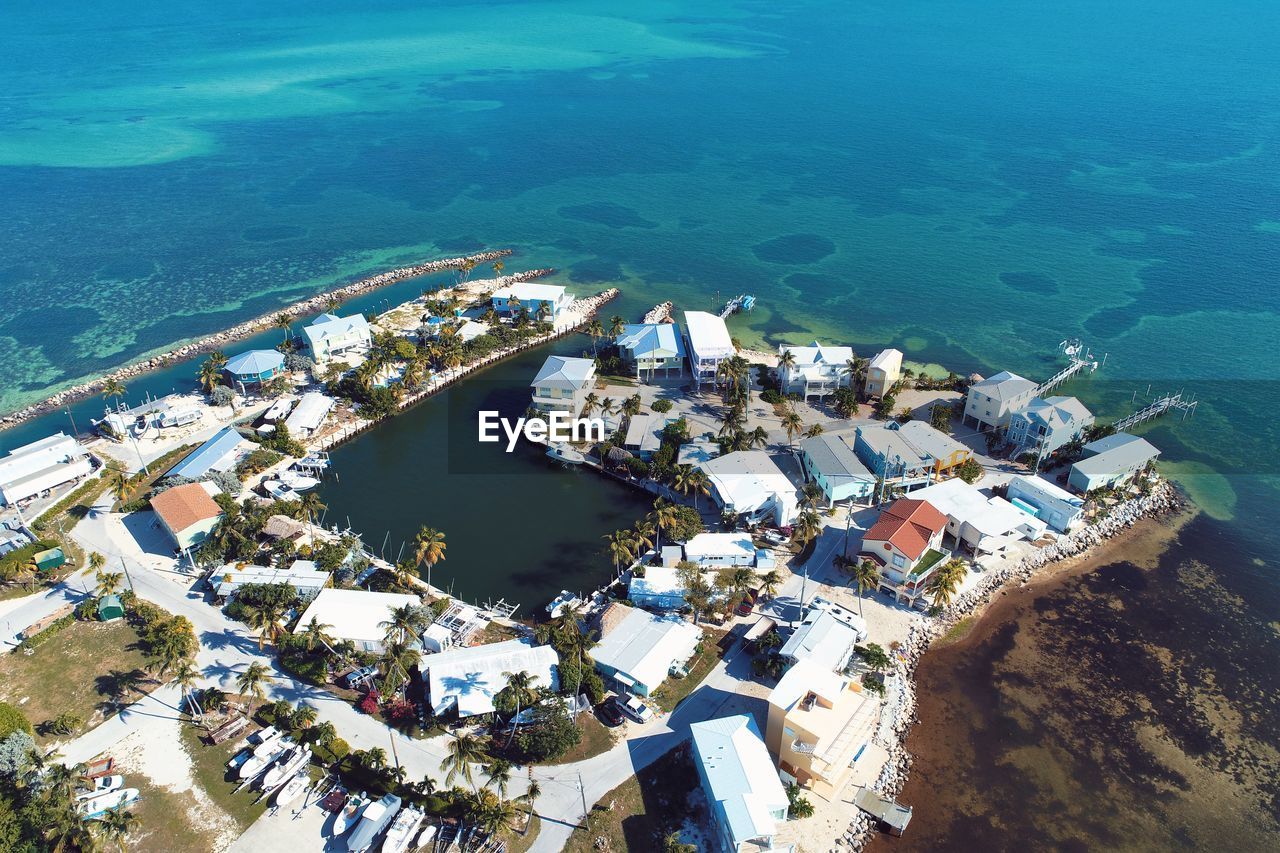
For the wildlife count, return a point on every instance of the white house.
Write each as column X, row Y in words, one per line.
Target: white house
column 708, row 342
column 562, row 384
column 1046, row 424
column 543, row 301
column 990, row 402
column 644, row 434
column 355, row 615
column 884, row 370
column 302, row 575
column 660, row 588
column 826, row 636
column 650, row 347
column 830, row 461
column 638, row 649
column 34, row 468
column 749, row 483
column 1054, row 505
column 309, row 414
column 814, row 371
column 468, row 679
column 330, row 335
column 983, row 524
column 1110, row 461
column 720, row 550
column 747, row 799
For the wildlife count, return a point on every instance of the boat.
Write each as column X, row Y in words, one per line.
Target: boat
column 373, row 820
column 103, row 803
column 318, row 461
column 266, row 735
column 293, row 789
column 402, row 830
column 566, row 600
column 349, row 814
column 293, row 760
column 562, row 452
column 102, row 785
column 260, row 762
column 428, row 832
column 280, row 491
column 298, row 481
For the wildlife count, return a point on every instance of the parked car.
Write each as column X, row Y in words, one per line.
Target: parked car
column 748, row 602
column 610, row 713
column 634, row 708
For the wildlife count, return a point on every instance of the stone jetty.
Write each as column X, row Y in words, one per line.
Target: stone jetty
column 217, row 341
column 660, row 313
column 900, row 701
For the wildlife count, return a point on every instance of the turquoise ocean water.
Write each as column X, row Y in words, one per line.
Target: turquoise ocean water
column 969, row 182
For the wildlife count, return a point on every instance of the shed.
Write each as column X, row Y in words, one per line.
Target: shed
column 109, row 607
column 884, row 810
column 49, row 560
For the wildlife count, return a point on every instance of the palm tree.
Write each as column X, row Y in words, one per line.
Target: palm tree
column 282, row 321
column 252, row 683
column 186, row 676
column 108, row 582
column 642, row 534
column 429, row 548
column 631, row 405
column 210, row 374
column 699, row 485
column 265, row 619
column 115, row 826
column 375, row 758
column 814, row 431
column 664, row 517
column 769, row 582
column 304, row 717
column 315, row 632
column 607, row 407
column 758, row 437
column 497, row 775
column 489, row 813
column 323, row 733
column 621, row 548
column 521, row 690
column 404, row 622
column 866, row 575
column 792, row 423
column 590, row 404
column 463, row 751
column 787, row 359
column 531, row 794
column 945, row 582
column 498, row 267
column 113, row 388
column 807, row 526
column 119, row 485
column 311, row 505
column 596, row 331
column 398, row 657
column 616, row 326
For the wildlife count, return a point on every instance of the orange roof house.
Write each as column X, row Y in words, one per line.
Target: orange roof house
column 906, row 542
column 188, row 513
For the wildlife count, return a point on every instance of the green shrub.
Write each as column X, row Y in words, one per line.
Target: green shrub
column 661, row 406
column 12, row 720
column 771, row 396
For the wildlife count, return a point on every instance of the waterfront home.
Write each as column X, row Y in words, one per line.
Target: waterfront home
column 309, row 414
column 708, row 342
column 906, row 543
column 253, row 369
column 883, row 371
column 826, row 636
column 355, row 615
column 302, row 575
column 329, row 336
column 638, row 650
column 748, row 802
column 466, row 680
column 1047, row 501
column 990, row 402
column 563, row 383
column 1046, row 424
column 978, row 522
column 749, row 484
column 814, row 371
column 696, row 452
column 644, row 434
column 470, row 330
column 947, row 453
column 1111, row 461
column 660, row 588
column 545, row 302
column 820, row 722
column 41, row 466
column 891, row 457
column 830, row 461
column 188, row 513
column 647, row 348
column 721, row 550
column 220, row 453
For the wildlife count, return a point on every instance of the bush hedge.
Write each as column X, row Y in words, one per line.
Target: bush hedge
column 12, row 720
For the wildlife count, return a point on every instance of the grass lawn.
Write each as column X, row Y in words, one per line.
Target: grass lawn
column 709, row 653
column 596, row 739
column 209, row 769
column 637, row 814
column 165, row 820
column 516, row 842
column 89, row 669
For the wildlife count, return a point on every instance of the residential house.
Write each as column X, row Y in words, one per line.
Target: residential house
column 647, row 348
column 819, row 723
column 990, row 402
column 41, row 466
column 815, row 371
column 979, row 523
column 544, row 302
column 308, row 416
column 947, row 453
column 220, row 453
column 253, row 369
column 563, row 383
column 1046, row 424
column 188, row 513
column 883, row 371
column 748, row 802
column 749, row 483
column 1111, row 461
column 721, row 550
column 1047, row 501
column 302, row 575
column 660, row 588
column 906, row 543
column 644, row 434
column 891, row 457
column 466, row 680
column 830, row 461
column 708, row 342
column 355, row 615
column 330, row 336
column 637, row 649
column 826, row 636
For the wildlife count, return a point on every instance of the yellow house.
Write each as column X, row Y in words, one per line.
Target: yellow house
column 884, row 370
column 819, row 724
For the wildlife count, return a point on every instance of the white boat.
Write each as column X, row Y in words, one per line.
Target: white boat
column 298, row 481
column 102, row 785
column 280, row 491
column 428, row 832
column 564, row 453
column 566, row 600
column 314, row 462
column 103, row 803
column 262, row 736
column 293, row 789
column 271, row 751
column 373, row 820
column 349, row 815
column 402, row 830
column 293, row 760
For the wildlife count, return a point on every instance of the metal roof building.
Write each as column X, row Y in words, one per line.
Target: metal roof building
column 468, row 679
column 738, row 776
column 219, row 453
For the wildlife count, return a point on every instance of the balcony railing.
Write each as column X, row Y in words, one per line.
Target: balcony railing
column 804, row 747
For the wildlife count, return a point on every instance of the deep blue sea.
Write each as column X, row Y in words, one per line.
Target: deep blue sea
column 970, row 182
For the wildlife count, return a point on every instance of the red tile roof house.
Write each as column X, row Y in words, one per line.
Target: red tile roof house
column 906, row 543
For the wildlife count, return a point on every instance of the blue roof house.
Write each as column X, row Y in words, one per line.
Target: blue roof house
column 255, row 367
column 649, row 347
column 747, row 799
column 219, row 453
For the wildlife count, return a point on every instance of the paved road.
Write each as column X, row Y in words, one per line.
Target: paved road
column 18, row 614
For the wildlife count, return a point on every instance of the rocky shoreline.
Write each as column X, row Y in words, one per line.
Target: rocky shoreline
column 216, row 341
column 900, row 707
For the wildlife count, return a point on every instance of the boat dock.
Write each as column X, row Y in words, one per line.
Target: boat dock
column 742, row 302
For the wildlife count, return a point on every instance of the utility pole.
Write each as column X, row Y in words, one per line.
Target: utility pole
column 583, row 793
column 127, row 576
